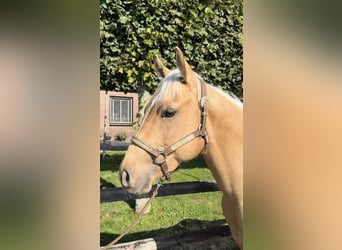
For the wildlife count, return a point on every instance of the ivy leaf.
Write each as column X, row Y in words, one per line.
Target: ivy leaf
column 123, row 19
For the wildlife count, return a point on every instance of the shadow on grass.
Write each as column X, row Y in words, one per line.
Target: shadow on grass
column 195, row 163
column 111, row 162
column 182, row 227
column 106, row 184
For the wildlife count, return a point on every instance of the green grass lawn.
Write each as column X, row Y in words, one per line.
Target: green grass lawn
column 169, row 215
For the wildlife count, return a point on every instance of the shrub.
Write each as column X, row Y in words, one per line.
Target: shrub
column 122, row 136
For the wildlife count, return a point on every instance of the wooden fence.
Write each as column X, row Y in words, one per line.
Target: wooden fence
column 120, row 194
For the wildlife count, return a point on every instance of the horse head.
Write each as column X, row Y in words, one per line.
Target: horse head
column 172, row 130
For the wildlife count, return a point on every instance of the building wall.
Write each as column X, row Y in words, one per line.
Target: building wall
column 113, row 130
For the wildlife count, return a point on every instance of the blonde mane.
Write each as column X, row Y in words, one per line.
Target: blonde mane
column 230, row 96
column 169, row 87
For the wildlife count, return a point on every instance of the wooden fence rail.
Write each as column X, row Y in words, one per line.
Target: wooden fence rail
column 120, row 194
column 211, row 238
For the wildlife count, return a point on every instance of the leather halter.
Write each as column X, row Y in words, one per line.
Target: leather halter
column 160, row 153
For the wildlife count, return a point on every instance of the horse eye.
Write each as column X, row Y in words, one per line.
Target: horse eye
column 168, row 113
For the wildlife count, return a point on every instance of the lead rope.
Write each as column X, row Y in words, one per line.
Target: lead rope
column 133, row 224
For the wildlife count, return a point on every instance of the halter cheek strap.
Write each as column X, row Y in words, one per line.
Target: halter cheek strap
column 160, row 153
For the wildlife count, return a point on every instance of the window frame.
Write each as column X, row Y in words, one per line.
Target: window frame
column 111, row 111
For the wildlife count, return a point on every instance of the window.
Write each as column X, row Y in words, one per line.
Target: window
column 120, row 110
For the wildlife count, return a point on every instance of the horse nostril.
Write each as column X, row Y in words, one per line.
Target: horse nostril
column 125, row 179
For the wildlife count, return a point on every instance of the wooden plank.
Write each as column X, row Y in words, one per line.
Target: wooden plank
column 120, row 194
column 211, row 238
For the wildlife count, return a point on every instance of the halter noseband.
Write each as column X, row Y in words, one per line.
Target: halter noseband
column 160, row 153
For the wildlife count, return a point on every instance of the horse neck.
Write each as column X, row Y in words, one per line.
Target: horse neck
column 225, row 145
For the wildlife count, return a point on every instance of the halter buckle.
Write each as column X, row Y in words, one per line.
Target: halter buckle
column 204, row 101
column 160, row 150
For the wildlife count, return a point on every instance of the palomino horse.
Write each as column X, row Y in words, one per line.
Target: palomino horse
column 185, row 118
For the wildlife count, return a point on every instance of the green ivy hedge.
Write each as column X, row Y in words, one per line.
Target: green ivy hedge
column 208, row 32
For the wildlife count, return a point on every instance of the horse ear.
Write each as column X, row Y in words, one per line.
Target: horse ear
column 182, row 65
column 162, row 71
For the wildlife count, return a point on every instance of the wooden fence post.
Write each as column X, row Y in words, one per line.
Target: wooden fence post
column 139, row 205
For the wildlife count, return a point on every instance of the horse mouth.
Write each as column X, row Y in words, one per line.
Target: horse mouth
column 139, row 190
